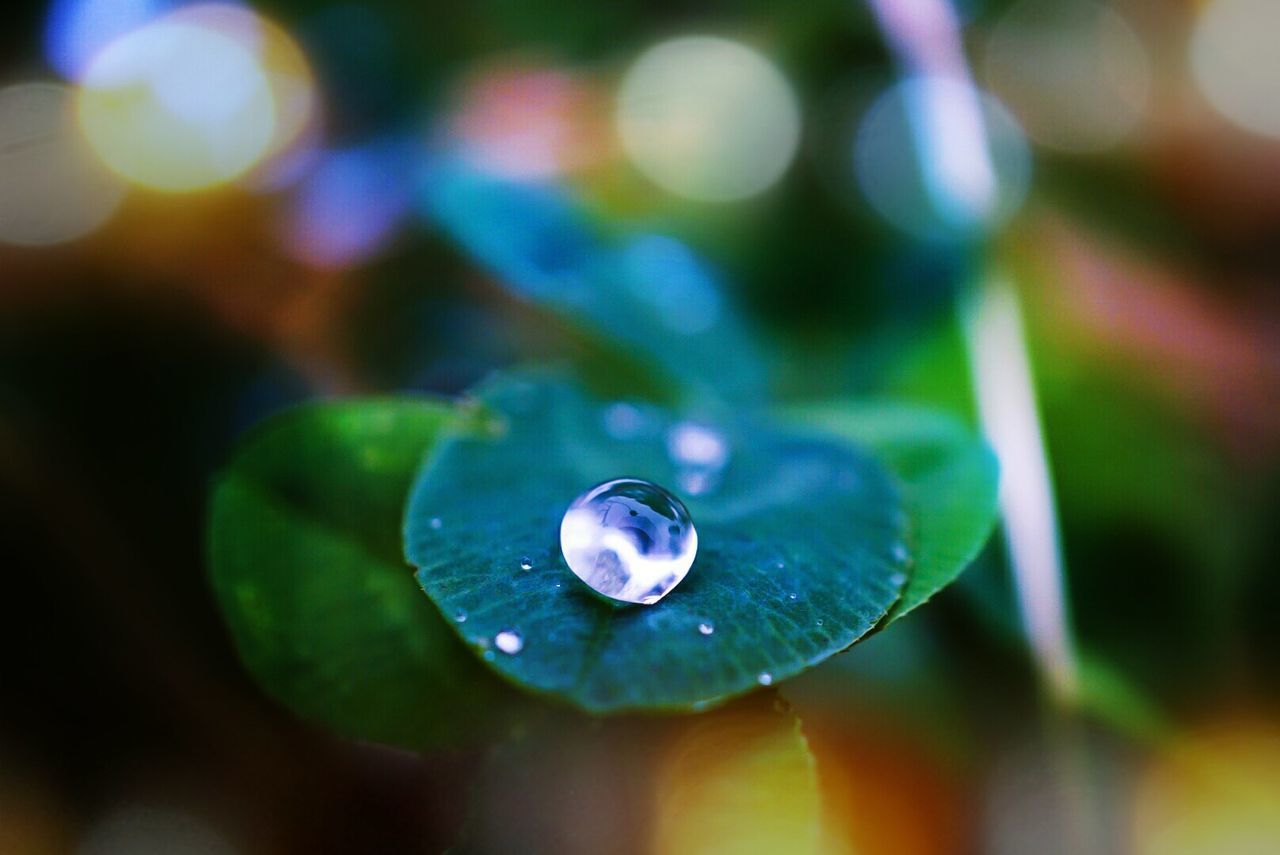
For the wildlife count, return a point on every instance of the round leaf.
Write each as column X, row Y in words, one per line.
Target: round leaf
column 799, row 555
column 306, row 565
column 946, row 476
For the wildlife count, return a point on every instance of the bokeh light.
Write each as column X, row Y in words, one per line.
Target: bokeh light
column 1216, row 791
column 76, row 30
column 1075, row 74
column 289, row 75
column 348, row 206
column 136, row 829
column 1236, row 63
column 963, row 192
column 52, row 189
column 524, row 120
column 177, row 105
column 708, row 119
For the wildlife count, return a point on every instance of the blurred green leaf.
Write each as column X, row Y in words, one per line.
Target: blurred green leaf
column 800, row 553
column 946, row 476
column 305, row 560
column 642, row 300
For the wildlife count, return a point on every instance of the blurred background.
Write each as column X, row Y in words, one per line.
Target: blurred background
column 1058, row 220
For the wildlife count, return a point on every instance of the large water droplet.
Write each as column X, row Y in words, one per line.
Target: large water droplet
column 706, row 628
column 509, row 641
column 526, row 563
column 764, row 678
column 629, row 540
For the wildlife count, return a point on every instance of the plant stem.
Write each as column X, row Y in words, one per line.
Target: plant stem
column 955, row 160
column 996, row 344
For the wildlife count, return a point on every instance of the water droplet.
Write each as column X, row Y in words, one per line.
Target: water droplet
column 898, row 580
column 509, row 641
column 696, row 482
column 461, row 616
column 764, row 678
column 791, row 596
column 625, row 421
column 706, row 628
column 781, row 565
column 693, row 444
column 819, row 621
column 488, row 655
column 436, row 522
column 526, row 563
column 900, row 553
column 630, row 558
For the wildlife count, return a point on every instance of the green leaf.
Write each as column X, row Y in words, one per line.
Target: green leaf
column 946, row 476
column 305, row 560
column 644, row 301
column 799, row 553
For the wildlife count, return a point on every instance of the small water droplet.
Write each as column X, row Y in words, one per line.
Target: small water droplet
column 624, row 421
column 781, row 565
column 629, row 557
column 898, row 580
column 693, row 444
column 819, row 621
column 509, row 641
column 461, row 616
column 900, row 553
column 526, row 563
column 764, row 678
column 706, row 628
column 557, row 584
column 436, row 522
column 696, row 482
column 488, row 655
column 791, row 596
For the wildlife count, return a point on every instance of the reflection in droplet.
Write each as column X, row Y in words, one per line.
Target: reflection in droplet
column 764, row 678
column 706, row 628
column 707, row 118
column 629, row 540
column 509, row 641
column 52, row 188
